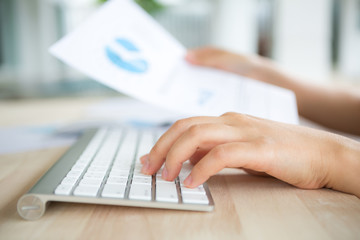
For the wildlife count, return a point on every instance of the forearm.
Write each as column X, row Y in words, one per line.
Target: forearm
column 334, row 108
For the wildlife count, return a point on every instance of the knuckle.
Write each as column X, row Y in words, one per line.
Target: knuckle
column 180, row 124
column 229, row 114
column 241, row 117
column 195, row 130
column 234, row 118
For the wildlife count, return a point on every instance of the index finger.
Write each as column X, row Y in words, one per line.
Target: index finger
column 157, row 155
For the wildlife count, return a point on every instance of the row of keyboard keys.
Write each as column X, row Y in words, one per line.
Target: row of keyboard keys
column 90, row 183
column 68, row 183
column 141, row 187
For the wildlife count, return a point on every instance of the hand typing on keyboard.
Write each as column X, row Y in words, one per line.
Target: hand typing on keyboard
column 288, row 152
column 110, row 168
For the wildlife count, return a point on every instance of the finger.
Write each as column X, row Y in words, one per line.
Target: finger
column 222, row 59
column 144, row 158
column 199, row 154
column 202, row 136
column 209, row 57
column 158, row 153
column 238, row 154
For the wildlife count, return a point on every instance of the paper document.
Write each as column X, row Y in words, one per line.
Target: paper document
column 124, row 48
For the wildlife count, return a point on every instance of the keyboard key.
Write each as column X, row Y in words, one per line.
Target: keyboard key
column 79, row 167
column 145, row 145
column 94, row 175
column 101, row 169
column 195, row 198
column 114, row 191
column 88, row 191
column 140, row 192
column 139, row 174
column 138, row 167
column 185, row 171
column 74, row 173
column 160, row 180
column 117, row 180
column 90, row 182
column 126, row 152
column 142, row 180
column 82, row 161
column 63, row 189
column 198, row 190
column 69, row 181
column 166, row 192
column 119, row 168
column 120, row 174
column 100, row 164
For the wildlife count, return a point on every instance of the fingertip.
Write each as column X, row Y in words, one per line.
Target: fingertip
column 146, row 166
column 188, row 182
column 144, row 158
column 165, row 174
column 191, row 57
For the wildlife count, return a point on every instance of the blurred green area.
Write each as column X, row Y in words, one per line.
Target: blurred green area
column 151, row 6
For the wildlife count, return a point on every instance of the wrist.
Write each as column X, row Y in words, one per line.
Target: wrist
column 344, row 172
column 265, row 70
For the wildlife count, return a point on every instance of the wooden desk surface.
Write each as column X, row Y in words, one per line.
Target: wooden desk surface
column 246, row 207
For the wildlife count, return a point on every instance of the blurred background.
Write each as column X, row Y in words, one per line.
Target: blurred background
column 319, row 40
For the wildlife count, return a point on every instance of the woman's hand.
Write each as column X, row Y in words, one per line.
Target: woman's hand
column 300, row 156
column 251, row 66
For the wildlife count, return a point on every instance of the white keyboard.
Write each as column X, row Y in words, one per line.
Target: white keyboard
column 108, row 171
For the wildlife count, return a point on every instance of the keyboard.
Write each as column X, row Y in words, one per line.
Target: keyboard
column 104, row 167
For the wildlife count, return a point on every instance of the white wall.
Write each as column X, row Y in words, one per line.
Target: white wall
column 350, row 39
column 302, row 37
column 235, row 25
column 37, row 29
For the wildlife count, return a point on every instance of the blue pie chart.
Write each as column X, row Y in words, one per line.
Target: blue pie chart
column 135, row 65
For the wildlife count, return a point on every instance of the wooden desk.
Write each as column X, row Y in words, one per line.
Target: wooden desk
column 246, row 207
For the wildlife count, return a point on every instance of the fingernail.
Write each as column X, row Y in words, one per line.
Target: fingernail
column 146, row 166
column 188, row 181
column 164, row 174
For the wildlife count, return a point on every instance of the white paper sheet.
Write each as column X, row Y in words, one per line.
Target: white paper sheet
column 123, row 47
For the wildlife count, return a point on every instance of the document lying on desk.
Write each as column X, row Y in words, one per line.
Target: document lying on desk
column 122, row 47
